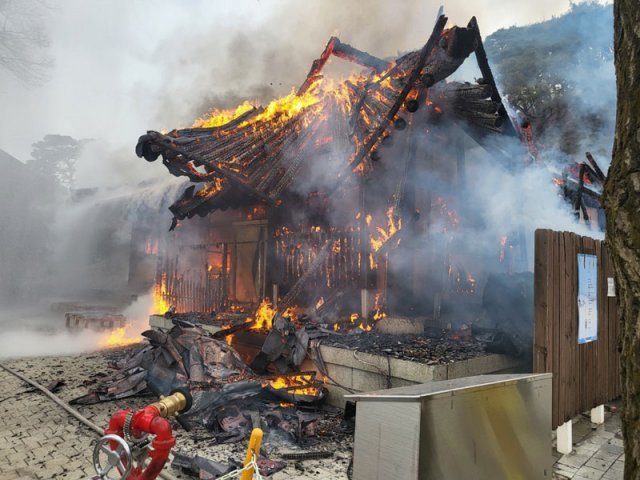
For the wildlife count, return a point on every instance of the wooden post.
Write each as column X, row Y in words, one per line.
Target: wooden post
column 224, row 276
column 365, row 300
column 460, row 163
column 364, row 254
column 234, row 269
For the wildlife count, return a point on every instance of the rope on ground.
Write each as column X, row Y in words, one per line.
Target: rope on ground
column 71, row 411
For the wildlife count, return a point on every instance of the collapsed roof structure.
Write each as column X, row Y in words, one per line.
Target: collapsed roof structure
column 255, row 156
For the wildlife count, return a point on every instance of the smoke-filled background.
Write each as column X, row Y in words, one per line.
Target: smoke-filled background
column 102, row 73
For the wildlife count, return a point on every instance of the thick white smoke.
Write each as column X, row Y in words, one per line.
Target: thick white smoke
column 122, row 69
column 34, row 334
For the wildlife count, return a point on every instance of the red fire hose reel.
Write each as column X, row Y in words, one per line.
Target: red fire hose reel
column 137, row 444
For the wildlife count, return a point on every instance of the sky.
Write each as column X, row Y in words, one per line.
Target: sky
column 124, row 67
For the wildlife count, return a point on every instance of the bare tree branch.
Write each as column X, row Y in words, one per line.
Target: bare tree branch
column 24, row 41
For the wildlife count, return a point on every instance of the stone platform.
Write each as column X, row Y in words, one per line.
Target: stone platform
column 350, row 371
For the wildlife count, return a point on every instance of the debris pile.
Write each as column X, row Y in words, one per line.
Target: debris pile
column 229, row 398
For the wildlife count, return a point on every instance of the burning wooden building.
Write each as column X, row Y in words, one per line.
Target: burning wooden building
column 342, row 196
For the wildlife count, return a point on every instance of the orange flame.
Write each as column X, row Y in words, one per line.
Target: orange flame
column 160, row 304
column 450, row 217
column 295, row 384
column 211, row 188
column 502, row 251
column 264, row 315
column 119, row 338
column 282, row 109
column 221, row 117
column 393, row 226
column 151, row 248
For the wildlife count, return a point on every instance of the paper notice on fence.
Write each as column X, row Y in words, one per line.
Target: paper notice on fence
column 587, row 298
column 611, row 287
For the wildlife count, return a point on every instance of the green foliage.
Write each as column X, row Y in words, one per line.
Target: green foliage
column 24, row 40
column 560, row 74
column 55, row 157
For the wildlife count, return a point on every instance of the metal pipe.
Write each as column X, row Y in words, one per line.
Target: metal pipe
column 71, row 411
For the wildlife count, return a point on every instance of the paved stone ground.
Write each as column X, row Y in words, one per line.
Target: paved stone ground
column 39, row 440
column 597, row 453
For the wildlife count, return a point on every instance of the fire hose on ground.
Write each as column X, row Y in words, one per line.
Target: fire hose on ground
column 126, row 441
column 137, row 456
column 71, row 411
column 138, row 443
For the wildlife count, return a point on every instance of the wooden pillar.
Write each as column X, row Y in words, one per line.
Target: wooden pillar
column 460, row 162
column 274, row 296
column 364, row 252
column 234, row 268
column 224, row 274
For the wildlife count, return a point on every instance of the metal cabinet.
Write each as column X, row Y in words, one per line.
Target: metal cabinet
column 487, row 427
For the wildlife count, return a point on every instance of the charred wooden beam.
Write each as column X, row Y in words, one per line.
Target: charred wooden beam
column 585, row 213
column 487, row 74
column 413, row 76
column 294, row 165
column 405, row 194
column 460, row 162
column 188, row 132
column 471, row 91
column 453, row 47
column 489, row 121
column 487, row 142
column 596, row 168
column 297, row 288
column 224, row 173
column 346, row 52
column 363, row 241
column 578, row 200
column 225, row 274
column 468, row 107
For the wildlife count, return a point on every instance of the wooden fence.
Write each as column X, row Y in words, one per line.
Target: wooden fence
column 584, row 375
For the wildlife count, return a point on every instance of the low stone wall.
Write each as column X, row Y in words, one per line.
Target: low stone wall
column 362, row 372
column 350, row 371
